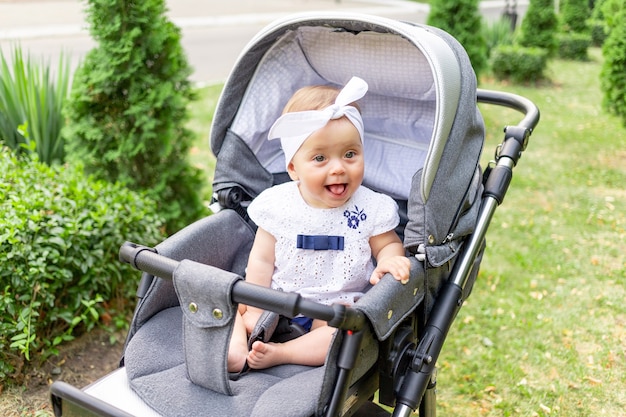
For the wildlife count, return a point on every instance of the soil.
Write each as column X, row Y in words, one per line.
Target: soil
column 79, row 363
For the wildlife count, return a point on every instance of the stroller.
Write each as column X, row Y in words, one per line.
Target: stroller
column 423, row 141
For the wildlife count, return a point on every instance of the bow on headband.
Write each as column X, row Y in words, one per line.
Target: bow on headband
column 294, row 128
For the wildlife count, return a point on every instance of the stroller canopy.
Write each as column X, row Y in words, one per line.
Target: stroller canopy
column 423, row 131
column 418, row 85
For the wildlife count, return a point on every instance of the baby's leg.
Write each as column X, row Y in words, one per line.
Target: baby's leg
column 309, row 349
column 238, row 348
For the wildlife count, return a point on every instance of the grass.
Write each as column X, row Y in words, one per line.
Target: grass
column 201, row 116
column 543, row 332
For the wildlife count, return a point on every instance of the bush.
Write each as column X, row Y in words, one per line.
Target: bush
column 31, row 105
column 60, row 233
column 461, row 18
column 128, row 107
column 574, row 16
column 574, row 46
column 519, row 64
column 597, row 29
column 612, row 80
column 597, row 24
column 539, row 27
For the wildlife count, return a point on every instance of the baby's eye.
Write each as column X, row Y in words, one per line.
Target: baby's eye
column 319, row 158
column 350, row 154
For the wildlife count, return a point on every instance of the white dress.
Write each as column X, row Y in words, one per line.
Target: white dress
column 325, row 276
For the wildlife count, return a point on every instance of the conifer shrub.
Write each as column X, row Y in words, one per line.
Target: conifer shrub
column 612, row 79
column 574, row 15
column 597, row 29
column 128, row 107
column 597, row 24
column 574, row 38
column 461, row 19
column 60, row 233
column 540, row 26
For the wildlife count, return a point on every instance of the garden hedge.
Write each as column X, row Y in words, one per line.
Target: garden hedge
column 519, row 64
column 60, row 233
column 574, row 46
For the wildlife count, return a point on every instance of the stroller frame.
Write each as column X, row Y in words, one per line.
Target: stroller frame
column 414, row 347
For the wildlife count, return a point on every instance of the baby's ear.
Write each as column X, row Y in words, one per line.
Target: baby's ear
column 292, row 172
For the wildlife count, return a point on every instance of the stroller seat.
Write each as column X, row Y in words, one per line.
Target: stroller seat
column 423, row 141
column 156, row 354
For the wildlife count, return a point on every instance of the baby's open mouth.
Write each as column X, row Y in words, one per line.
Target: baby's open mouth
column 336, row 189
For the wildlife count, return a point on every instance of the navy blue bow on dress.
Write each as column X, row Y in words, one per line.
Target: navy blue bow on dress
column 320, row 242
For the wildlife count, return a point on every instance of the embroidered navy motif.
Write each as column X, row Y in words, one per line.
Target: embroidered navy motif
column 319, row 242
column 354, row 217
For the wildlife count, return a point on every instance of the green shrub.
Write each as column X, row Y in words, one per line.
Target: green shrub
column 574, row 15
column 60, row 233
column 597, row 29
column 574, row 46
column 31, row 105
column 519, row 64
column 597, row 10
column 539, row 27
column 597, row 23
column 128, row 107
column 461, row 19
column 612, row 79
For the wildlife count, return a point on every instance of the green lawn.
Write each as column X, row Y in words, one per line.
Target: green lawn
column 543, row 332
column 201, row 115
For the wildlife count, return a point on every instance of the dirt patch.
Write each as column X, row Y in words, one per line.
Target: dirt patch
column 79, row 363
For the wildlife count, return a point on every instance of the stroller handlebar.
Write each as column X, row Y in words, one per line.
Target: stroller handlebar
column 513, row 101
column 147, row 259
column 516, row 139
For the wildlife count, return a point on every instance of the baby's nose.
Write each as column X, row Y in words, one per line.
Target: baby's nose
column 336, row 166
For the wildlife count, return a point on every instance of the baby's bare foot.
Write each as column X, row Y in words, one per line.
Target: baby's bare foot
column 265, row 355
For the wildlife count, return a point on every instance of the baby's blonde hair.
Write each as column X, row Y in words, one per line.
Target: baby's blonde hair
column 314, row 97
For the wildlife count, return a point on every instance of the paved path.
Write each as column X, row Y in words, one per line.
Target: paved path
column 23, row 19
column 214, row 31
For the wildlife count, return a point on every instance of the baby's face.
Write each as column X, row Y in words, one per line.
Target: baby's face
column 329, row 165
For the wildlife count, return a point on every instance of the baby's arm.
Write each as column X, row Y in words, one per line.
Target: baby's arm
column 259, row 271
column 390, row 258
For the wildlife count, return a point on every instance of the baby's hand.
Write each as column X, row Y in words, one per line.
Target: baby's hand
column 398, row 266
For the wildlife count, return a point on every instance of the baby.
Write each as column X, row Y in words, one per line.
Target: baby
column 318, row 233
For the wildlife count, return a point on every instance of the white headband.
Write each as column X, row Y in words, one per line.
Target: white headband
column 294, row 128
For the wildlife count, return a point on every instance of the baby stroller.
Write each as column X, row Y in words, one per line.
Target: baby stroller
column 423, row 141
